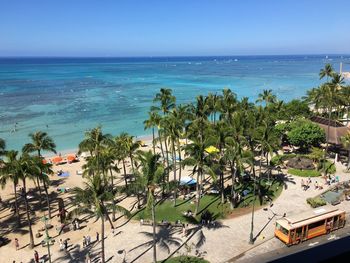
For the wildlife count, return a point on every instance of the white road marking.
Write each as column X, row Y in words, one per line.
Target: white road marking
column 313, row 244
column 332, row 237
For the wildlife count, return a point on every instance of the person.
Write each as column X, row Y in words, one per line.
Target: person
column 36, row 256
column 141, row 221
column 316, row 185
column 61, row 244
column 88, row 240
column 65, row 243
column 183, row 230
column 16, row 243
column 302, row 184
column 84, row 241
column 97, row 236
column 77, row 226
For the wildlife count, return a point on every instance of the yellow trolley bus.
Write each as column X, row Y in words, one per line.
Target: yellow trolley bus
column 295, row 229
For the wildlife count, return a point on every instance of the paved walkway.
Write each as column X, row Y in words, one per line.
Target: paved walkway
column 224, row 244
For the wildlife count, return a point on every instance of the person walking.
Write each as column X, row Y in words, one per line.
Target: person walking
column 97, row 236
column 84, row 241
column 36, row 256
column 16, row 243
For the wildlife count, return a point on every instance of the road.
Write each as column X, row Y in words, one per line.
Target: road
column 327, row 248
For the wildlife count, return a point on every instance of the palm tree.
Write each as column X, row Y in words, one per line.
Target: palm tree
column 2, row 146
column 327, row 71
column 152, row 171
column 27, row 168
column 198, row 158
column 166, row 99
column 151, row 122
column 130, row 146
column 10, row 171
column 41, row 141
column 266, row 96
column 45, row 171
column 95, row 199
column 94, row 141
column 346, row 143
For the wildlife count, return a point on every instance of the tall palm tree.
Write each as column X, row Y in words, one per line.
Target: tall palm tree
column 151, row 122
column 346, row 143
column 166, row 99
column 27, row 169
column 95, row 198
column 45, row 171
column 327, row 71
column 197, row 157
column 130, row 146
column 41, row 141
column 9, row 170
column 266, row 96
column 152, row 171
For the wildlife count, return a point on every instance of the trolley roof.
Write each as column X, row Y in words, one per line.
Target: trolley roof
column 308, row 217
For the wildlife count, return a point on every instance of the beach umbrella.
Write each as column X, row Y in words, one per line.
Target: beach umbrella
column 186, row 180
column 57, row 159
column 71, row 158
column 211, row 149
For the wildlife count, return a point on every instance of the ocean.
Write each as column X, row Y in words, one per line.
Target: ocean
column 67, row 96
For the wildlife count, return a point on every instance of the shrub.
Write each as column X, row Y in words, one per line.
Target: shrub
column 304, row 173
column 316, row 202
column 305, row 134
column 185, row 259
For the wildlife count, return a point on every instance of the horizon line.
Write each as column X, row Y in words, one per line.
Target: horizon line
column 177, row 56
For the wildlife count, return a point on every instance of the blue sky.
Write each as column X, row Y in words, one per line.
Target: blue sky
column 173, row 28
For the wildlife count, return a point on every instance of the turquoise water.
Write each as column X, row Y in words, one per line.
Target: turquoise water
column 66, row 96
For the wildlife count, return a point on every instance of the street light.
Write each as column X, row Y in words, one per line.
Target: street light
column 47, row 239
column 251, row 237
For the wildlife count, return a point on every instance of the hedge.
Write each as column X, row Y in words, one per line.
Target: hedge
column 304, row 173
column 316, row 202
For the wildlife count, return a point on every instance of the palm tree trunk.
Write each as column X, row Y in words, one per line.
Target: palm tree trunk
column 112, row 184
column 161, row 144
column 198, row 195
column 180, row 160
column 328, row 128
column 124, row 169
column 39, row 188
column 132, row 163
column 47, row 199
column 222, row 187
column 154, row 233
column 16, row 206
column 174, row 170
column 31, row 237
column 102, row 239
column 153, row 141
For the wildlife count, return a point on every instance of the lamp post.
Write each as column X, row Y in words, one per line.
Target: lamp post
column 47, row 238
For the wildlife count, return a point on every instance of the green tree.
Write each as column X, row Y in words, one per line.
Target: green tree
column 9, row 170
column 2, row 146
column 327, row 71
column 95, row 198
column 41, row 141
column 152, row 171
column 305, row 134
column 267, row 97
column 346, row 144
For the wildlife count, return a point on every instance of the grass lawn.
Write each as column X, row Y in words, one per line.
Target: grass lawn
column 212, row 203
column 185, row 259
